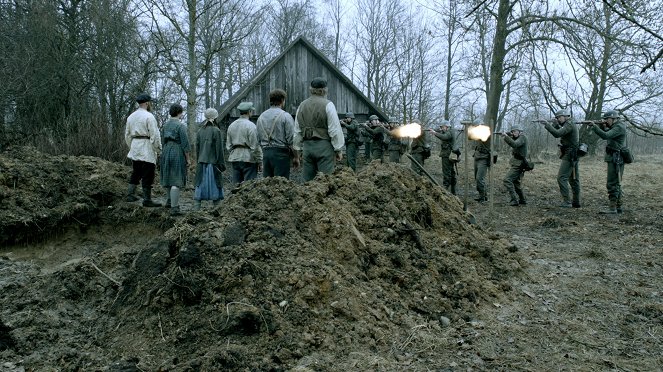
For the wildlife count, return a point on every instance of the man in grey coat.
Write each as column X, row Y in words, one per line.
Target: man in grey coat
column 518, row 142
column 568, row 175
column 614, row 132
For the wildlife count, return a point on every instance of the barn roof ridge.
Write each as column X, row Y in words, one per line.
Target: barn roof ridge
column 236, row 98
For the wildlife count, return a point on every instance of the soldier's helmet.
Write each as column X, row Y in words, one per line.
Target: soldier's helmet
column 392, row 120
column 349, row 115
column 562, row 112
column 373, row 117
column 520, row 130
column 445, row 123
column 611, row 114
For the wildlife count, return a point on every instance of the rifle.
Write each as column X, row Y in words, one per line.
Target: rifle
column 544, row 121
column 592, row 122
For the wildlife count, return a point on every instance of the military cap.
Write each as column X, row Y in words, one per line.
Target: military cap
column 611, row 114
column 373, row 117
column 562, row 112
column 245, row 106
column 143, row 97
column 319, row 82
column 349, row 115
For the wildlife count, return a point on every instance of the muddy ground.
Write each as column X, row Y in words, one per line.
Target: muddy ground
column 376, row 271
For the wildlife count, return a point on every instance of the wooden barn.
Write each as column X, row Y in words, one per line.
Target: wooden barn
column 293, row 71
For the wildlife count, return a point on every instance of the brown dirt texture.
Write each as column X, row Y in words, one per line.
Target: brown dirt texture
column 379, row 270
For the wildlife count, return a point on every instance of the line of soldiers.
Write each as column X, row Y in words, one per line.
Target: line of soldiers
column 563, row 127
column 379, row 137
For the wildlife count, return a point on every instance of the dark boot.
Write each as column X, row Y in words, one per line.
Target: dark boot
column 612, row 208
column 452, row 189
column 521, row 197
column 514, row 200
column 130, row 193
column 618, row 205
column 147, row 198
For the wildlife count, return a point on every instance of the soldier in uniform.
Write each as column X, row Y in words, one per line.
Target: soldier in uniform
column 318, row 133
column 447, row 136
column 376, row 131
column 615, row 133
column 366, row 139
column 481, row 164
column 419, row 149
column 395, row 145
column 518, row 142
column 564, row 129
column 351, row 139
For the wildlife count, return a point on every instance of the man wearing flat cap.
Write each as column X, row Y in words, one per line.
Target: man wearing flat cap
column 144, row 140
column 318, row 133
column 242, row 143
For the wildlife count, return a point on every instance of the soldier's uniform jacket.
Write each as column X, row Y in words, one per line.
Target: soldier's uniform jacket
column 448, row 141
column 519, row 149
column 569, row 137
column 377, row 135
column 395, row 143
column 482, row 149
column 352, row 132
column 616, row 137
column 420, row 144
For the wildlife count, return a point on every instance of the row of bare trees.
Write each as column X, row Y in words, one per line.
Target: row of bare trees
column 72, row 67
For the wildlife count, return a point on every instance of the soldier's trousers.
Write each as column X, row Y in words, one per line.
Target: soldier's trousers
column 419, row 157
column 449, row 173
column 377, row 153
column 318, row 156
column 395, row 156
column 568, row 176
column 613, row 184
column 512, row 183
column 367, row 151
column 481, row 167
column 351, row 149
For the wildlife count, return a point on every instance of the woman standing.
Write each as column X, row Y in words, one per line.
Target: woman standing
column 174, row 158
column 211, row 162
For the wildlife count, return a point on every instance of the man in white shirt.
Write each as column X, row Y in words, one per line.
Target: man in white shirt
column 318, row 133
column 245, row 153
column 144, row 140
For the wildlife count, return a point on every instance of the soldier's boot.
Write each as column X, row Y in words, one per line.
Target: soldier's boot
column 452, row 189
column 566, row 202
column 196, row 205
column 130, row 193
column 514, row 199
column 576, row 201
column 618, row 205
column 521, row 197
column 147, row 198
column 174, row 201
column 612, row 208
column 482, row 198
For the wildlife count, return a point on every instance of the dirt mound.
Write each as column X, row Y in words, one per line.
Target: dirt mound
column 40, row 193
column 346, row 272
column 341, row 265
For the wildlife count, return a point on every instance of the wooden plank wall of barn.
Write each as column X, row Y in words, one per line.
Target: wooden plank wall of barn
column 293, row 73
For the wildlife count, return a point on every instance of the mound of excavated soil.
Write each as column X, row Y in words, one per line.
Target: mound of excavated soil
column 345, row 272
column 40, row 193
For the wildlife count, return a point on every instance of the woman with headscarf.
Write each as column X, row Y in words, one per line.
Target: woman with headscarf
column 211, row 162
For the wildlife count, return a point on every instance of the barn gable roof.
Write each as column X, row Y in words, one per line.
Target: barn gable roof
column 227, row 108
